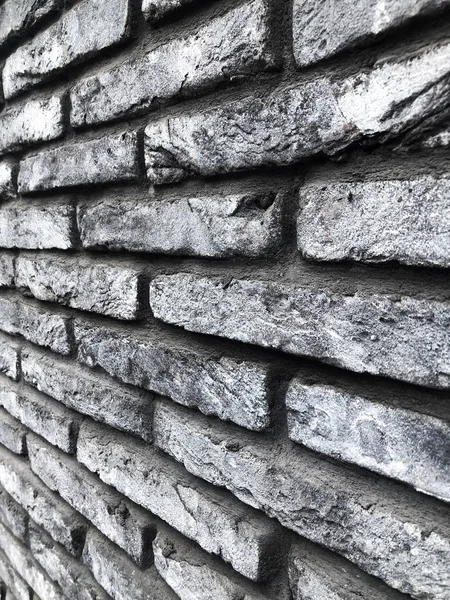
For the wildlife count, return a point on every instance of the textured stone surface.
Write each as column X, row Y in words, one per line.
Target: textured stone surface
column 6, row 270
column 108, row 159
column 87, row 393
column 13, row 516
column 36, row 325
column 79, row 284
column 33, row 122
column 154, row 10
column 394, row 441
column 119, row 519
column 234, row 44
column 219, row 524
column 8, row 179
column 321, row 29
column 12, row 433
column 242, row 225
column 403, row 338
column 377, row 221
column 37, row 227
column 232, row 389
column 43, row 506
column 298, row 122
column 86, row 29
column 19, row 16
column 389, row 531
column 119, row 576
column 9, row 357
column 14, row 582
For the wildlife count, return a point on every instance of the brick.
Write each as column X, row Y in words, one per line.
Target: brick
column 191, row 574
column 50, row 419
column 154, row 10
column 87, row 393
column 361, row 222
column 33, row 227
column 221, row 226
column 291, row 124
column 27, row 567
column 119, row 576
column 12, row 433
column 218, row 523
column 230, row 388
column 234, row 44
column 79, row 284
column 36, row 325
column 404, row 338
column 316, row 573
column 109, row 159
column 440, row 138
column 83, row 31
column 322, row 29
column 9, row 357
column 386, row 529
column 6, row 270
column 72, row 576
column 13, row 516
column 396, row 441
column 127, row 525
column 13, row 581
column 46, row 508
column 17, row 17
column 33, row 122
column 8, row 179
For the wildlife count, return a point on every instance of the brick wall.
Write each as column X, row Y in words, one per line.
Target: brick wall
column 224, row 304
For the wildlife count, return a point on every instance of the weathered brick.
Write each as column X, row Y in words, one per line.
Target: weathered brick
column 36, row 325
column 14, row 582
column 322, row 29
column 107, row 159
column 230, row 388
column 405, row 339
column 233, row 44
column 9, row 357
column 46, row 508
column 71, row 575
column 33, row 227
column 6, row 270
column 80, row 389
column 12, row 433
column 13, row 516
column 191, row 574
column 27, row 567
column 127, row 525
column 33, row 122
column 397, row 441
column 88, row 28
column 389, row 531
column 119, row 576
column 440, row 138
column 8, row 179
column 298, row 122
column 17, row 17
column 154, row 10
column 218, row 523
column 376, row 221
column 221, row 226
column 79, row 284
column 46, row 417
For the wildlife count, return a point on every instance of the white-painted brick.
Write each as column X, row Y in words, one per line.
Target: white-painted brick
column 17, row 17
column 8, row 179
column 9, row 357
column 12, row 433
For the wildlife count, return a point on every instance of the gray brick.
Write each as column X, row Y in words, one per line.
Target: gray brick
column 376, row 221
column 6, row 270
column 389, row 531
column 298, row 122
column 154, row 10
column 85, row 392
column 33, row 122
column 233, row 44
column 8, row 179
column 403, row 338
column 12, row 433
column 13, row 581
column 46, row 508
column 230, row 388
column 17, row 17
column 13, row 516
column 322, row 29
column 36, row 325
column 33, row 227
column 440, row 138
column 79, row 284
column 108, row 159
column 88, row 28
column 127, row 525
column 219, row 524
column 119, row 576
column 393, row 440
column 9, row 357
column 220, row 226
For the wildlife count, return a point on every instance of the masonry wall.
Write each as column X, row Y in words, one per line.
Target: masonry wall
column 224, row 303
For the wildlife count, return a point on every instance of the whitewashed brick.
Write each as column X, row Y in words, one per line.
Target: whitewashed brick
column 12, row 580
column 17, row 17
column 8, row 179
column 12, row 433
column 6, row 270
column 9, row 357
column 13, row 516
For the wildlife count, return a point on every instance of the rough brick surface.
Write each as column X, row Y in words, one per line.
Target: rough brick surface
column 13, row 581
column 19, row 16
column 13, row 516
column 154, row 10
column 9, row 357
column 12, row 434
column 6, row 270
column 8, row 177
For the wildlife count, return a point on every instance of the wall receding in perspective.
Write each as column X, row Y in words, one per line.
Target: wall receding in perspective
column 224, row 299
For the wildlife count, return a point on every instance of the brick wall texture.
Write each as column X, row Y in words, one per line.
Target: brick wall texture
column 224, row 299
